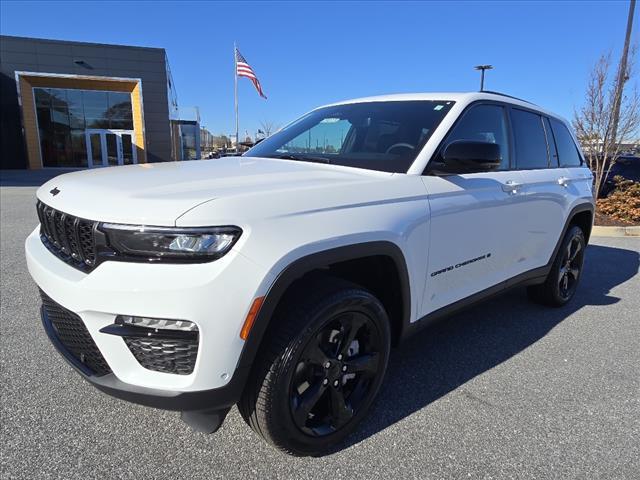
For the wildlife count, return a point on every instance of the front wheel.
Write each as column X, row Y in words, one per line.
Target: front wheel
column 321, row 368
column 562, row 281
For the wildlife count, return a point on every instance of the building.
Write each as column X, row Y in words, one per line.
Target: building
column 207, row 140
column 186, row 134
column 72, row 104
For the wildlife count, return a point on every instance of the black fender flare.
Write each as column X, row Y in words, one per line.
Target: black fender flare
column 582, row 207
column 301, row 266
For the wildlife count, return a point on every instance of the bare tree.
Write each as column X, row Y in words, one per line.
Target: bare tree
column 601, row 134
column 268, row 127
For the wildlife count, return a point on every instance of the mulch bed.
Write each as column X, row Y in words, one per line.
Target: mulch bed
column 605, row 221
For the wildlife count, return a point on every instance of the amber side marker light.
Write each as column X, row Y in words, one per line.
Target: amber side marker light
column 251, row 317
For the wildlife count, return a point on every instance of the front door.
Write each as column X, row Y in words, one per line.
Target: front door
column 476, row 218
column 110, row 147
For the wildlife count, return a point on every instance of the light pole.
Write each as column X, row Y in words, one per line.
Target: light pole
column 482, row 68
column 622, row 74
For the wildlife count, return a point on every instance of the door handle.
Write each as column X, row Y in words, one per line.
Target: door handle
column 563, row 182
column 511, row 187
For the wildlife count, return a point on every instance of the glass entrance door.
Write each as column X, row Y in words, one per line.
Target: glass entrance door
column 110, row 147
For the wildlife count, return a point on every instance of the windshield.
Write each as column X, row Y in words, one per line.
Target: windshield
column 385, row 136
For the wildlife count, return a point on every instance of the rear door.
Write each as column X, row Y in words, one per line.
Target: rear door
column 545, row 193
column 578, row 180
column 476, row 218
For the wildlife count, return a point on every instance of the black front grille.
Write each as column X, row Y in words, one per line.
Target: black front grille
column 69, row 330
column 177, row 356
column 70, row 238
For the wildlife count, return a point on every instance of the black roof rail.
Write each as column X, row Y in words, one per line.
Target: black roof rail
column 505, row 95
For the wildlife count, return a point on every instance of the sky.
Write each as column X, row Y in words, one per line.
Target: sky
column 308, row 54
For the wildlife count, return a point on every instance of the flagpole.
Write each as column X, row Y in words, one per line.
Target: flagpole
column 235, row 78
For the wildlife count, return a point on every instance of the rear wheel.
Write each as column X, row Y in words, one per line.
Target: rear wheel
column 321, row 369
column 562, row 281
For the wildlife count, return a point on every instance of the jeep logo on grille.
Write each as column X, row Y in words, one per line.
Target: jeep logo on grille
column 55, row 191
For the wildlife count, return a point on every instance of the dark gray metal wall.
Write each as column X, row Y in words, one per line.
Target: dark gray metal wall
column 54, row 56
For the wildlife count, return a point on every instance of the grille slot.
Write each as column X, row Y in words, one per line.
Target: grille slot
column 72, row 334
column 177, row 356
column 72, row 239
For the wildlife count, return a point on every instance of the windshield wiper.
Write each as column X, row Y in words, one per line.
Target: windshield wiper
column 302, row 158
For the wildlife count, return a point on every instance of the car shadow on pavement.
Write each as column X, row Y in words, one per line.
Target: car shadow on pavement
column 445, row 356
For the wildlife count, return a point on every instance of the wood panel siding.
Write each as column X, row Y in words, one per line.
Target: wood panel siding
column 30, row 122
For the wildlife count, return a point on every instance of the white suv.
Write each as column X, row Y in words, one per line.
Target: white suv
column 279, row 280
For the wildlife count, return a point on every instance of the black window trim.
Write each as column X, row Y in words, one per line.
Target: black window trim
column 551, row 134
column 546, row 140
column 559, row 120
column 513, row 164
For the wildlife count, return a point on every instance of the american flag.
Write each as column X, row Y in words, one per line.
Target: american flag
column 243, row 69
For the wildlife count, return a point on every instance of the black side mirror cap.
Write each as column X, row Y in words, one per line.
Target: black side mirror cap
column 469, row 156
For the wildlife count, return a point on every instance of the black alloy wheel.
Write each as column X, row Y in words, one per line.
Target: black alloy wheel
column 335, row 374
column 320, row 367
column 571, row 266
column 562, row 281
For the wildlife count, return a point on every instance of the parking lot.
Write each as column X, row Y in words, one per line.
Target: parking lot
column 507, row 389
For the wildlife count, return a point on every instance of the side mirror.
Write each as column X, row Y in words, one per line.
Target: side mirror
column 469, row 156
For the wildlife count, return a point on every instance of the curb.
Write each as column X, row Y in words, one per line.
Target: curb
column 615, row 231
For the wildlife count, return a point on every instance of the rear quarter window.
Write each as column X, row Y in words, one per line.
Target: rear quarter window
column 567, row 149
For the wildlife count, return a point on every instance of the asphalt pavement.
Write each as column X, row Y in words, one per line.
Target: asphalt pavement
column 507, row 389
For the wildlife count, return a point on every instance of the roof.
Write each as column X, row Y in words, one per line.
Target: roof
column 72, row 42
column 463, row 97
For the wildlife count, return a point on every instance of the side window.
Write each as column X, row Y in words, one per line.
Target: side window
column 551, row 142
column 567, row 150
column 485, row 123
column 531, row 144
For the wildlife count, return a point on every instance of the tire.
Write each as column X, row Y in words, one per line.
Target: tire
column 562, row 281
column 320, row 367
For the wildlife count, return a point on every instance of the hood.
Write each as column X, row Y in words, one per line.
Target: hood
column 157, row 194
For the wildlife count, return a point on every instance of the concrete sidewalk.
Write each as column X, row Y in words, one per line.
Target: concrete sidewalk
column 632, row 231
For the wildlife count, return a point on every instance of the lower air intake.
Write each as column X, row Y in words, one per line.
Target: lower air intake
column 70, row 331
column 177, row 356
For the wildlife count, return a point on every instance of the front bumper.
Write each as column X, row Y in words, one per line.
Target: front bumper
column 217, row 398
column 216, row 296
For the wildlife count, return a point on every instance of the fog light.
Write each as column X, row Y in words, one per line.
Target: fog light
column 158, row 344
column 156, row 323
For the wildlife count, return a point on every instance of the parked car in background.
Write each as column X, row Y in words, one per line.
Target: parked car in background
column 279, row 280
column 628, row 167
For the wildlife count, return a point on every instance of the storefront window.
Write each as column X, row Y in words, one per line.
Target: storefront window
column 189, row 135
column 65, row 114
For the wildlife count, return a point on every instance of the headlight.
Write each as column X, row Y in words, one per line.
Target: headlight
column 156, row 243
